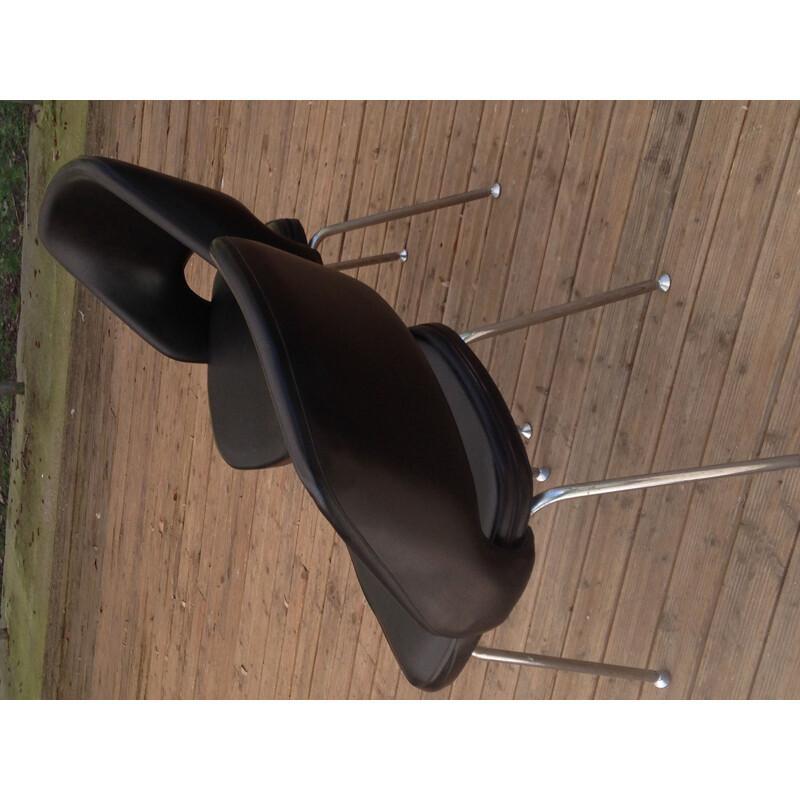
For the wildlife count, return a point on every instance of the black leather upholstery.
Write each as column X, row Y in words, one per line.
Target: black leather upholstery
column 371, row 436
column 126, row 233
column 399, row 434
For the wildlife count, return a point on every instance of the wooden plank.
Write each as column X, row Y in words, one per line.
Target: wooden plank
column 699, row 377
column 704, row 395
column 208, row 125
column 570, row 210
column 732, row 619
column 223, row 485
column 103, row 119
column 112, row 639
column 171, row 137
column 271, row 607
column 433, row 160
column 167, row 457
column 405, row 193
column 538, row 200
column 228, row 563
column 366, row 158
column 386, row 167
column 137, row 540
column 205, row 131
column 569, row 459
column 776, row 675
column 616, row 351
column 485, row 263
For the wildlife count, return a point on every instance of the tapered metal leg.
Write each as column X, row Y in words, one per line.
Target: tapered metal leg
column 659, row 678
column 564, row 310
column 367, row 261
column 662, row 479
column 400, row 213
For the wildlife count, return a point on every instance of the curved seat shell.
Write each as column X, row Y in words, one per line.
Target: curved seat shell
column 370, row 433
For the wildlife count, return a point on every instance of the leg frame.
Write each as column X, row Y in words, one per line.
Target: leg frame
column 564, row 310
column 660, row 678
column 399, row 213
column 662, row 479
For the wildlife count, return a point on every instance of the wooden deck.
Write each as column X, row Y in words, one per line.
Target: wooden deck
column 177, row 577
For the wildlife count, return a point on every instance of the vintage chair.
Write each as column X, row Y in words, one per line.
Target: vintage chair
column 399, row 434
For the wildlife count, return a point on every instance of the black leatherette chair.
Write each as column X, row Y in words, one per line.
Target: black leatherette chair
column 398, row 434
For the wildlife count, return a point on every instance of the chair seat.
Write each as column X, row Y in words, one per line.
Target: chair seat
column 248, row 435
column 370, row 434
column 504, row 486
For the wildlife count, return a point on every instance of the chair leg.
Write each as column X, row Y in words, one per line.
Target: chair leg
column 564, row 310
column 408, row 211
column 659, row 678
column 662, row 479
column 367, row 261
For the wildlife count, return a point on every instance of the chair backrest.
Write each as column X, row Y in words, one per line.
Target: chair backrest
column 126, row 233
column 371, row 435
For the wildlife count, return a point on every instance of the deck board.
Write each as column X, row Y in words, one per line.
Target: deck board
column 176, row 576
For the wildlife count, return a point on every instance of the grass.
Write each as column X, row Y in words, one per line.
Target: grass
column 15, row 120
column 47, row 313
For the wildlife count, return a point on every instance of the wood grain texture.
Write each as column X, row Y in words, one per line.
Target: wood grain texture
column 177, row 577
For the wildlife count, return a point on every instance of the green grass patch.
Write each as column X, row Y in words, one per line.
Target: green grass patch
column 15, row 121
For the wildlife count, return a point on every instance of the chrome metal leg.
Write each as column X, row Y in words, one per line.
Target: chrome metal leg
column 662, row 479
column 564, row 310
column 400, row 213
column 525, row 430
column 659, row 678
column 367, row 261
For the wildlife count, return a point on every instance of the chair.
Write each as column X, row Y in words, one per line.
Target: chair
column 398, row 434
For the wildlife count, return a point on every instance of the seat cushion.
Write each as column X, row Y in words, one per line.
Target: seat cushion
column 496, row 454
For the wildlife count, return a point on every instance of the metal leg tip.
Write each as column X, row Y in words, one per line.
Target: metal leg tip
column 526, row 431
column 403, row 255
column 664, row 282
column 663, row 679
column 542, row 474
column 496, row 190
